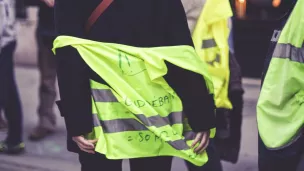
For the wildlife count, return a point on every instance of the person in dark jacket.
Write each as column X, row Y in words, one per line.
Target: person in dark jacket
column 150, row 23
column 290, row 157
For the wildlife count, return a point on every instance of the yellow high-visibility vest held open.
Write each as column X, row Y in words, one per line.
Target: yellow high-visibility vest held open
column 138, row 114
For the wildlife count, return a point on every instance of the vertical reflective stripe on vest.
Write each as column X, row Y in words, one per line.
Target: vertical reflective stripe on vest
column 138, row 114
column 210, row 38
column 279, row 110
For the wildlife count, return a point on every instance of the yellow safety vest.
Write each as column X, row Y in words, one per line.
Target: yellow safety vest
column 280, row 113
column 210, row 39
column 138, row 114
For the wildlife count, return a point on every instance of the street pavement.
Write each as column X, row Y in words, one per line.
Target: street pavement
column 51, row 155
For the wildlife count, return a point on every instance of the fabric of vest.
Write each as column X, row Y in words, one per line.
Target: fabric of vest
column 279, row 111
column 210, row 38
column 138, row 114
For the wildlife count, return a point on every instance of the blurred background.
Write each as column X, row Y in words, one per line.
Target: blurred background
column 254, row 23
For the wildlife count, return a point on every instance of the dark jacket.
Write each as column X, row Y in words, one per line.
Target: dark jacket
column 273, row 41
column 149, row 23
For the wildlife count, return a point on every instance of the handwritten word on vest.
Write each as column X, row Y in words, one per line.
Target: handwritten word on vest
column 157, row 102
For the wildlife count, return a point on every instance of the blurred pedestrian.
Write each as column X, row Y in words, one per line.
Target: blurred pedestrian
column 9, row 96
column 137, row 24
column 21, row 15
column 45, row 35
column 226, row 145
column 229, row 146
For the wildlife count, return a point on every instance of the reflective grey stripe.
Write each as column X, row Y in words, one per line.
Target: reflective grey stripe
column 189, row 135
column 216, row 60
column 122, row 125
column 209, row 43
column 158, row 121
column 103, row 95
column 96, row 121
column 289, row 51
column 179, row 144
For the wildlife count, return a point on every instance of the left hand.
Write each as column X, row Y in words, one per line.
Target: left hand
column 49, row 3
column 202, row 140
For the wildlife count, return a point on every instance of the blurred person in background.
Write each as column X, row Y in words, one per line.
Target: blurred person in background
column 226, row 145
column 229, row 146
column 45, row 35
column 3, row 124
column 9, row 96
column 21, row 14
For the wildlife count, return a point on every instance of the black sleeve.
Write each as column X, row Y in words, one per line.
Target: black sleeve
column 191, row 87
column 73, row 73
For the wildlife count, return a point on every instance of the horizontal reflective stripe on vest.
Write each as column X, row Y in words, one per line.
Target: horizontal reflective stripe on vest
column 208, row 43
column 122, row 125
column 189, row 135
column 103, row 95
column 179, row 144
column 289, row 51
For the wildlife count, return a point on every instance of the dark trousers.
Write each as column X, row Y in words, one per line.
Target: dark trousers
column 214, row 162
column 99, row 162
column 229, row 147
column 9, row 96
column 286, row 159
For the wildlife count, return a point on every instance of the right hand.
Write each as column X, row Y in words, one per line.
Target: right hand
column 49, row 3
column 202, row 141
column 85, row 145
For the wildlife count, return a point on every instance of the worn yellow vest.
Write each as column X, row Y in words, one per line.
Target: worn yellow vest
column 138, row 114
column 210, row 38
column 280, row 113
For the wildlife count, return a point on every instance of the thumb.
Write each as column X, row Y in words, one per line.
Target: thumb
column 93, row 141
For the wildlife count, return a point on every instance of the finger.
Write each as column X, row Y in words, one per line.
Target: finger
column 196, row 140
column 203, row 143
column 50, row 3
column 84, row 147
column 93, row 141
column 47, row 2
column 204, row 148
column 85, row 143
column 87, row 151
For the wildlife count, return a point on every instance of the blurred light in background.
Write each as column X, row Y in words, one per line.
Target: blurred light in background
column 240, row 6
column 276, row 3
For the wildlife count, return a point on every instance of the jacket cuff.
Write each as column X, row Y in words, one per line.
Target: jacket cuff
column 75, row 124
column 208, row 119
